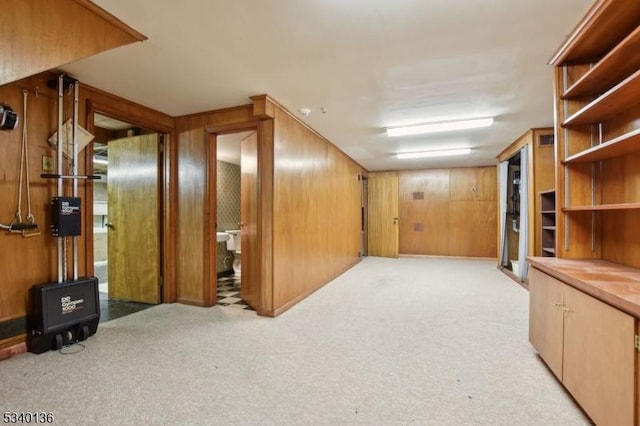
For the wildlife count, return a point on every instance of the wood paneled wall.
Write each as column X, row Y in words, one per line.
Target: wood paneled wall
column 449, row 212
column 28, row 261
column 39, row 35
column 316, row 211
column 308, row 206
column 191, row 216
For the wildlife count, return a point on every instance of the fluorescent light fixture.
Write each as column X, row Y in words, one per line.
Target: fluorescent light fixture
column 97, row 160
column 439, row 153
column 443, row 126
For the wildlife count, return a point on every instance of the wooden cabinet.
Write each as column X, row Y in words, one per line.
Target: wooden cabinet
column 597, row 106
column 548, row 223
column 39, row 35
column 546, row 319
column 588, row 345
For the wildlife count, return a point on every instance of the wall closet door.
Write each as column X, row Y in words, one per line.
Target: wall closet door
column 473, row 212
column 424, row 212
column 383, row 215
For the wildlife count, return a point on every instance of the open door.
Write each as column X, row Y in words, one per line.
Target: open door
column 383, row 236
column 133, row 214
column 250, row 288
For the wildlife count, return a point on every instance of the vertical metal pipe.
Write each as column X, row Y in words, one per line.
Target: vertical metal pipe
column 76, row 90
column 59, row 170
column 565, row 83
column 593, row 187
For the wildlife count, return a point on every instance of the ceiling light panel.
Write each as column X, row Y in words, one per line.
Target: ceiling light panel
column 438, row 153
column 444, row 126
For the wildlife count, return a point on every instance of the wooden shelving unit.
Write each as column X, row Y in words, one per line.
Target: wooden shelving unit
column 602, row 207
column 620, row 63
column 548, row 223
column 615, row 101
column 622, row 145
column 597, row 224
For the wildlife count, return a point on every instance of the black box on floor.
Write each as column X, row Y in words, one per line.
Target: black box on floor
column 62, row 313
column 65, row 217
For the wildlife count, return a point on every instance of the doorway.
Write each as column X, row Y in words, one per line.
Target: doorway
column 514, row 193
column 127, row 216
column 236, row 218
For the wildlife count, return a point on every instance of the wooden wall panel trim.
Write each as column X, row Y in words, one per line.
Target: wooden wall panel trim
column 12, row 347
column 263, row 107
column 289, row 304
column 216, row 118
column 135, row 113
column 117, row 23
column 514, row 147
column 44, row 34
column 266, row 136
column 210, row 219
column 191, row 216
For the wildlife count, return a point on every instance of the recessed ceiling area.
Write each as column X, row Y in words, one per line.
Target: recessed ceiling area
column 371, row 65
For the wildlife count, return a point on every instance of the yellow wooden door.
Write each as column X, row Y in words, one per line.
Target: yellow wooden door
column 133, row 213
column 250, row 287
column 383, row 240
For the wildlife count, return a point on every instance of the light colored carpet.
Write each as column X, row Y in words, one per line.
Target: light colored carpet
column 391, row 341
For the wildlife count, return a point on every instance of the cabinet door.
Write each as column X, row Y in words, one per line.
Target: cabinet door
column 545, row 318
column 487, row 184
column 473, row 184
column 599, row 358
column 462, row 184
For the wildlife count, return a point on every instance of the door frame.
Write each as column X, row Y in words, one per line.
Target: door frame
column 167, row 206
column 212, row 196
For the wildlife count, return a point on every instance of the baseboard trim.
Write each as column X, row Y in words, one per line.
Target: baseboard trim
column 431, row 256
column 288, row 305
column 18, row 346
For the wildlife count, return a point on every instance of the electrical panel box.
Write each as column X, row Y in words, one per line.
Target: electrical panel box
column 65, row 217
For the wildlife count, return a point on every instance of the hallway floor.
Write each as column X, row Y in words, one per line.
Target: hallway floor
column 229, row 293
column 111, row 309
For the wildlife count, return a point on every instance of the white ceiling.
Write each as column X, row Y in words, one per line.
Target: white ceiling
column 370, row 63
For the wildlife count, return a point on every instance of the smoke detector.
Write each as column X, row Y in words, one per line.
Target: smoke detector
column 304, row 111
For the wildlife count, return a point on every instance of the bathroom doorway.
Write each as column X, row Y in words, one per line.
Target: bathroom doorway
column 236, row 218
column 127, row 215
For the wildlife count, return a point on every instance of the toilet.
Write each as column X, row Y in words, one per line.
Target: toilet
column 234, row 246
